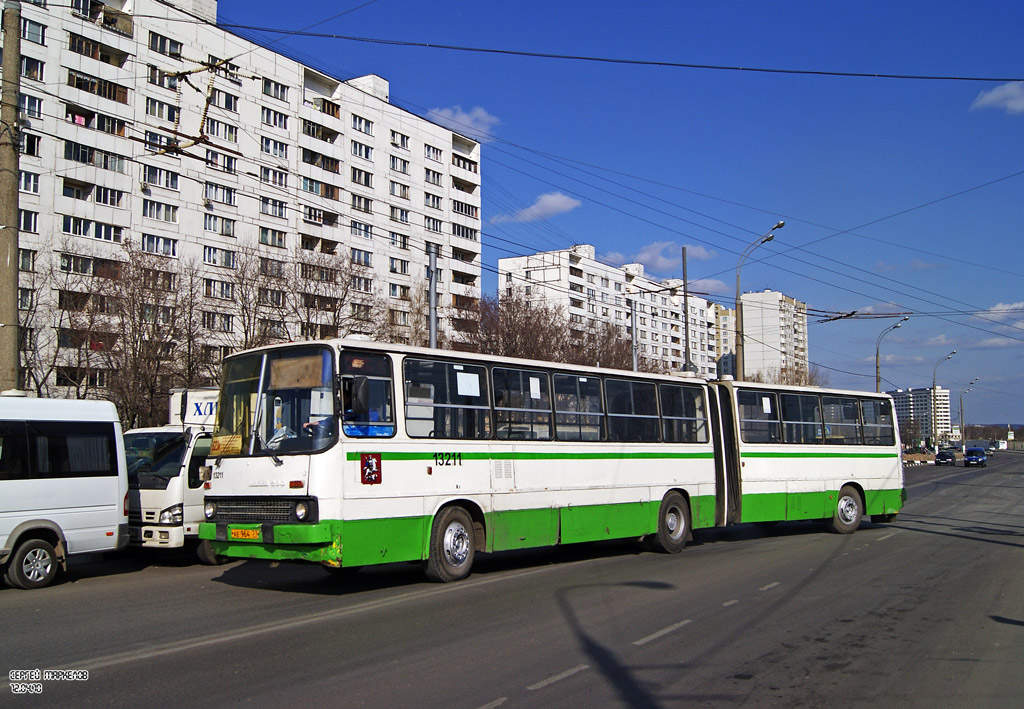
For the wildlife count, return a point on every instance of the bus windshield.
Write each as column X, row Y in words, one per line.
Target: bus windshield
column 154, row 459
column 275, row 403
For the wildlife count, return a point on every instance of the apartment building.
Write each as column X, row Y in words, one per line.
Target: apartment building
column 914, row 411
column 594, row 292
column 144, row 123
column 775, row 336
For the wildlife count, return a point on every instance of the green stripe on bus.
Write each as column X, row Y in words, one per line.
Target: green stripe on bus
column 525, row 455
column 772, row 454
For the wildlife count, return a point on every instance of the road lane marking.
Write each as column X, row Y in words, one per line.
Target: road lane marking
column 663, row 631
column 558, row 677
column 730, row 603
column 773, row 584
column 495, row 703
column 283, row 625
column 882, row 539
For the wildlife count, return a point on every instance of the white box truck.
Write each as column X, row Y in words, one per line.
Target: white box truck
column 63, row 485
column 165, row 500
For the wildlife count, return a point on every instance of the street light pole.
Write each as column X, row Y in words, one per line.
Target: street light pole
column 763, row 239
column 963, row 426
column 878, row 345
column 935, row 419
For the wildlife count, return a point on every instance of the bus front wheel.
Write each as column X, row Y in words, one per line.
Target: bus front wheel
column 847, row 511
column 673, row 525
column 452, row 546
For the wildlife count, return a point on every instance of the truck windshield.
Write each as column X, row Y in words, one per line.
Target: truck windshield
column 276, row 403
column 154, row 459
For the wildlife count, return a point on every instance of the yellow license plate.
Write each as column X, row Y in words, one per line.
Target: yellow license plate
column 253, row 534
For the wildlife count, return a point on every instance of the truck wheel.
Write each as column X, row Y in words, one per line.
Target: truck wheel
column 34, row 565
column 206, row 555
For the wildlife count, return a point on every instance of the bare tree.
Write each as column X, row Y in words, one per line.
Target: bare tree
column 259, row 283
column 322, row 289
column 193, row 364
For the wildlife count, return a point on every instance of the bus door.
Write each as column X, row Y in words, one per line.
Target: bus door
column 727, row 458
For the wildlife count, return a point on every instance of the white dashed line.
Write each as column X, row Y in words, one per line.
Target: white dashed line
column 882, row 539
column 730, row 603
column 773, row 584
column 495, row 703
column 556, row 678
column 663, row 631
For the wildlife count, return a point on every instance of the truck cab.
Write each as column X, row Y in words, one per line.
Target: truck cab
column 165, row 500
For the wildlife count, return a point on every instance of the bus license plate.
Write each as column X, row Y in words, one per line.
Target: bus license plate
column 253, row 534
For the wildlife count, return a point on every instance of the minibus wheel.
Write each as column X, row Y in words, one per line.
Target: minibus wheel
column 33, row 565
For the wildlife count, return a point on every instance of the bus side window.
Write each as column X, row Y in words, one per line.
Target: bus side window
column 759, row 416
column 13, row 451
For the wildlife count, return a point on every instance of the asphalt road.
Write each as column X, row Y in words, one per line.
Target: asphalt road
column 926, row 611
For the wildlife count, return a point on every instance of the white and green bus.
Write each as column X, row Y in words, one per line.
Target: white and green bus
column 349, row 453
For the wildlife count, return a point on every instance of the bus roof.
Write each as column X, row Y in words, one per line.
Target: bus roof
column 26, row 408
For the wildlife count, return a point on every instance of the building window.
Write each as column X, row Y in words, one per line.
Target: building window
column 273, row 177
column 431, row 200
column 274, row 147
column 399, row 165
column 165, row 45
column 273, row 118
column 399, row 190
column 362, row 125
column 272, row 237
column 361, row 229
column 362, row 204
column 274, row 89
column 26, row 260
column 161, row 110
column 222, row 99
column 273, row 207
column 219, row 193
column 399, row 140
column 28, row 182
column 397, row 265
column 220, row 129
column 400, row 215
column 214, row 256
column 222, row 162
column 29, row 144
column 432, row 153
column 108, row 196
column 362, row 177
column 464, row 231
column 361, row 257
column 30, row 105
column 362, row 284
column 219, row 225
column 159, row 177
column 433, row 177
column 158, row 210
column 361, row 150
column 163, row 79
column 431, row 224
column 160, row 245
column 463, row 163
column 32, row 68
column 468, row 210
column 400, row 241
column 33, row 31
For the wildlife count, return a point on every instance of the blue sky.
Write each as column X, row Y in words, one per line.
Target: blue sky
column 899, row 195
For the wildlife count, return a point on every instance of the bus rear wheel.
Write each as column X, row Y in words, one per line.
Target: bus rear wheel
column 673, row 525
column 207, row 556
column 847, row 512
column 452, row 546
column 34, row 565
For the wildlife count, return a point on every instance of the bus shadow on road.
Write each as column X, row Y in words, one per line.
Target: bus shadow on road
column 953, row 528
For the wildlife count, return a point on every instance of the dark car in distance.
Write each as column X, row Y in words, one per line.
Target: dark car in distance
column 945, row 458
column 975, row 456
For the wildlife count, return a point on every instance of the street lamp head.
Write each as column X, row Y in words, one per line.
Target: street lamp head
column 779, row 225
column 767, row 237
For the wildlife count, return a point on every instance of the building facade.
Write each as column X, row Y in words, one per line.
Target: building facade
column 775, row 337
column 592, row 292
column 304, row 205
column 914, row 412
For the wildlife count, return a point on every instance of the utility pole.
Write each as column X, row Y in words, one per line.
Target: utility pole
column 9, row 175
column 687, row 367
column 432, row 272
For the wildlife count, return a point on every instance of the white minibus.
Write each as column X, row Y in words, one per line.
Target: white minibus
column 63, row 485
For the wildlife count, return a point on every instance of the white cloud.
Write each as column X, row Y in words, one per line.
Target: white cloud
column 476, row 123
column 883, row 266
column 1006, row 317
column 545, row 207
column 660, row 257
column 994, row 343
column 1009, row 97
column 940, row 339
column 917, row 264
column 712, row 286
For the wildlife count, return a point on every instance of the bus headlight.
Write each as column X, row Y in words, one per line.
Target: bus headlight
column 172, row 515
column 301, row 510
column 210, row 509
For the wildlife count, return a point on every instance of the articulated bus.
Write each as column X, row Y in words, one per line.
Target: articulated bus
column 349, row 453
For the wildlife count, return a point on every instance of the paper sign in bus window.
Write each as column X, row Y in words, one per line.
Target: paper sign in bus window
column 534, row 387
column 468, row 383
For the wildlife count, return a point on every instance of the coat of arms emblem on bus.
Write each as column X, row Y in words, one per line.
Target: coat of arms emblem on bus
column 369, row 467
